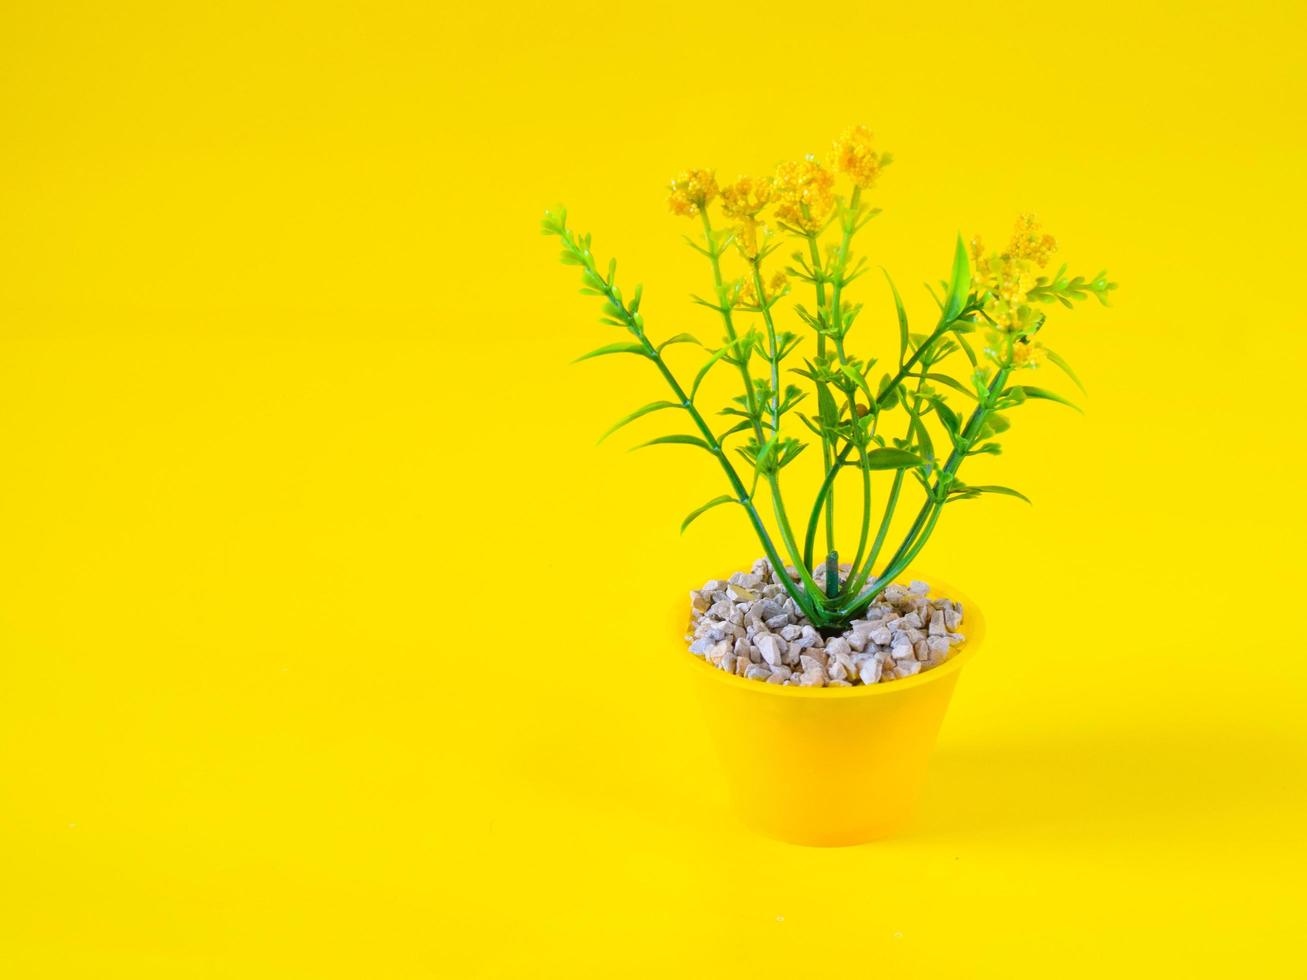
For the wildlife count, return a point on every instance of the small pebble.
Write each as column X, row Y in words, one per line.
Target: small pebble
column 769, row 648
column 750, row 626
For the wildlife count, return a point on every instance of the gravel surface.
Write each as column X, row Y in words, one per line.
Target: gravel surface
column 748, row 625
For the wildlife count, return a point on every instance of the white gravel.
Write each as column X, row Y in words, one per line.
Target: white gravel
column 749, row 626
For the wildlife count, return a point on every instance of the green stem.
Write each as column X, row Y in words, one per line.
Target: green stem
column 893, row 571
column 773, row 355
column 710, row 439
column 841, row 260
column 815, row 517
column 866, row 484
column 890, row 507
column 930, row 510
column 910, row 363
column 728, row 320
column 737, row 485
column 860, row 574
column 827, row 451
column 787, row 535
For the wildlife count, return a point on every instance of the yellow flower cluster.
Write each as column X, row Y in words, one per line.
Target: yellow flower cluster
column 801, row 194
column 746, row 296
column 1026, row 352
column 743, row 201
column 691, row 192
column 746, row 197
column 1028, row 243
column 1009, row 276
column 805, row 194
column 855, row 157
column 746, row 237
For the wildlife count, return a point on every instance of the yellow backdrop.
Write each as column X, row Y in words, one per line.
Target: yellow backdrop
column 331, row 646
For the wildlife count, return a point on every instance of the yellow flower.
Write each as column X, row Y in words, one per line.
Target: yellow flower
column 746, row 197
column 1029, row 244
column 804, row 194
column 746, row 296
column 691, row 192
column 746, row 237
column 854, row 156
column 1007, row 278
column 1026, row 353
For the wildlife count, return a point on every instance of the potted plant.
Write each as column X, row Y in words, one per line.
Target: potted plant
column 825, row 681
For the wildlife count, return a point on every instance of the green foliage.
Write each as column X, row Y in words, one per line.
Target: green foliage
column 715, row 502
column 949, row 395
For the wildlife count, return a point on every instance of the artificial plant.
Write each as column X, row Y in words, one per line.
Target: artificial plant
column 960, row 379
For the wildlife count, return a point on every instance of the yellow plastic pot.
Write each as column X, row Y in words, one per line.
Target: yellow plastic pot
column 829, row 766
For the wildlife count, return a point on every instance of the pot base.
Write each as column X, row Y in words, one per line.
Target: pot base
column 828, row 766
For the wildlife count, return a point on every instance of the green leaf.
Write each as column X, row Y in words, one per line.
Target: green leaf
column 715, row 502
column 1066, row 368
column 947, row 416
column 892, row 459
column 613, row 349
column 737, row 427
column 792, row 448
column 992, row 488
column 903, row 318
column 966, row 349
column 959, row 284
column 680, row 338
column 761, row 459
column 813, row 426
column 645, row 410
column 1047, row 395
column 859, row 378
column 829, row 414
column 675, row 440
column 703, row 371
column 953, row 383
column 923, row 437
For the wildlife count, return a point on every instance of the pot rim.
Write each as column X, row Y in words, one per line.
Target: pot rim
column 973, row 624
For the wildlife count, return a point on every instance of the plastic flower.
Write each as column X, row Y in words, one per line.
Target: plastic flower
column 746, row 237
column 854, row 156
column 1007, row 278
column 691, row 192
column 746, row 295
column 742, row 201
column 1028, row 243
column 746, row 197
column 1027, row 353
column 804, row 192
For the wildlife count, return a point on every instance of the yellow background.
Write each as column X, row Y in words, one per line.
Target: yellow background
column 331, row 646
